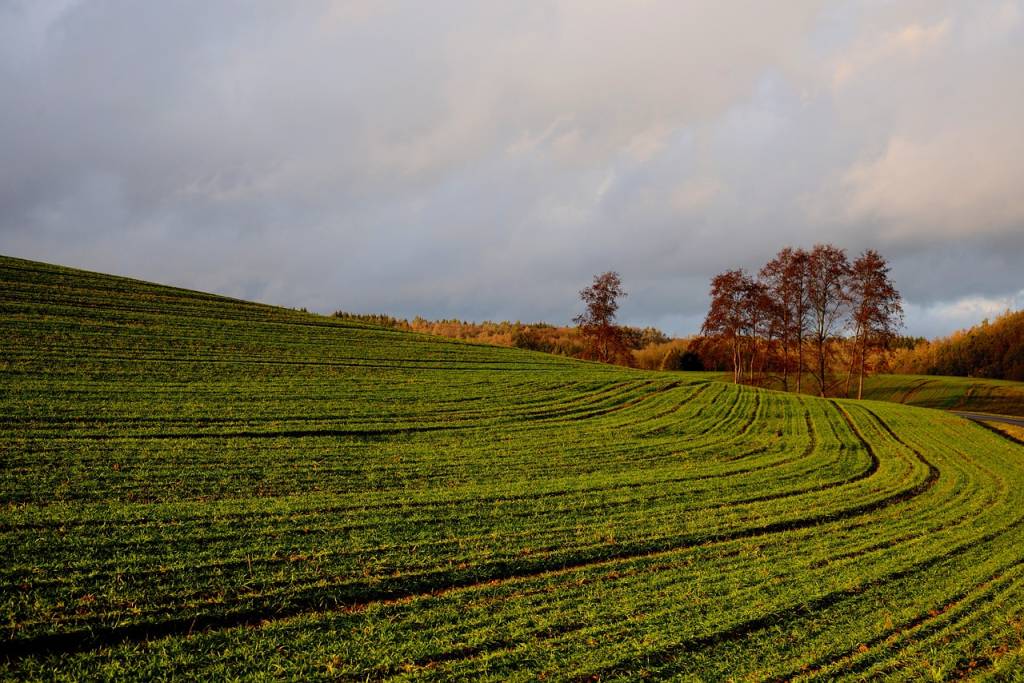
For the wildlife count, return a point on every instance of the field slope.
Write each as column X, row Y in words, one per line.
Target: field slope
column 220, row 489
column 1001, row 397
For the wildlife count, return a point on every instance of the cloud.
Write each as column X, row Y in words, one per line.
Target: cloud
column 957, row 185
column 941, row 318
column 485, row 159
column 913, row 41
column 939, row 101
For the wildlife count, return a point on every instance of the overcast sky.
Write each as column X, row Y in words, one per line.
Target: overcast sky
column 482, row 160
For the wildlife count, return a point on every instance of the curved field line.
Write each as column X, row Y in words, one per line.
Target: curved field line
column 915, row 389
column 181, row 464
column 433, row 583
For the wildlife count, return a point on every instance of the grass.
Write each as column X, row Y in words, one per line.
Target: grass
column 1001, row 397
column 1012, row 431
column 198, row 486
column 969, row 394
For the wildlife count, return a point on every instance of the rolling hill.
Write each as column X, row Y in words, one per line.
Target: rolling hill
column 220, row 489
column 1001, row 397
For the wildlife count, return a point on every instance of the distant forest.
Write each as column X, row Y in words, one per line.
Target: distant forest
column 994, row 350
column 648, row 348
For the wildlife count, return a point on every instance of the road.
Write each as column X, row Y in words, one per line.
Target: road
column 984, row 417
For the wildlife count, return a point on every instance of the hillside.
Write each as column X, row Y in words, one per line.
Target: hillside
column 215, row 488
column 999, row 397
column 949, row 393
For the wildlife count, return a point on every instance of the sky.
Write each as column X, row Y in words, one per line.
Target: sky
column 483, row 160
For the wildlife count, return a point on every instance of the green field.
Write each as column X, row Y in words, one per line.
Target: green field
column 203, row 487
column 948, row 393
column 969, row 394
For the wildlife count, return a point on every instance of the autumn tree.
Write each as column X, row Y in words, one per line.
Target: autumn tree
column 605, row 340
column 729, row 316
column 828, row 270
column 762, row 326
column 802, row 300
column 876, row 312
column 992, row 349
column 785, row 278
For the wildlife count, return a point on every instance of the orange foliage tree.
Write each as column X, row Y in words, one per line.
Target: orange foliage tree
column 876, row 313
column 605, row 340
column 812, row 302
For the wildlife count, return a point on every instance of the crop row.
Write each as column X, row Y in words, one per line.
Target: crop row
column 379, row 504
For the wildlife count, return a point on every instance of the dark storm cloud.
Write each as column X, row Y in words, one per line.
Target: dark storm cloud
column 483, row 160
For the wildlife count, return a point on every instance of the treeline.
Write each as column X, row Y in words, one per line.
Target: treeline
column 565, row 341
column 992, row 350
column 647, row 348
column 809, row 320
column 800, row 313
column 805, row 312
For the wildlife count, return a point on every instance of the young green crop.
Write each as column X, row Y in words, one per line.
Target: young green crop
column 1001, row 397
column 205, row 487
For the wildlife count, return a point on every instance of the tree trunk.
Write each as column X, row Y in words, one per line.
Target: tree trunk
column 785, row 367
column 736, row 368
column 762, row 369
column 853, row 364
column 849, row 374
column 860, row 382
column 799, row 363
column 750, row 366
column 821, row 368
